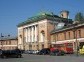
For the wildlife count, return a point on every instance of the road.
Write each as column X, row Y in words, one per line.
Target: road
column 45, row 58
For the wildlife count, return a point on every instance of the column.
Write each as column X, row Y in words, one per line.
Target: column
column 35, row 33
column 32, row 33
column 23, row 38
column 29, row 34
column 26, row 34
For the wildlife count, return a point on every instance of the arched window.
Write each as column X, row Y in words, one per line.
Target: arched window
column 42, row 36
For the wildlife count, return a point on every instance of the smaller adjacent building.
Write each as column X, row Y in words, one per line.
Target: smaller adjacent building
column 73, row 33
column 8, row 43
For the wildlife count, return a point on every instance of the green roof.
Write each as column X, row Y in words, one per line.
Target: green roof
column 41, row 17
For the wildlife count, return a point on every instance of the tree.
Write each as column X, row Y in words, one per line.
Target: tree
column 79, row 17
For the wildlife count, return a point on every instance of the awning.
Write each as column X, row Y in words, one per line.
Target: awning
column 61, row 42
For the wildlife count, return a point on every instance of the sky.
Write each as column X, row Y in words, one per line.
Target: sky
column 13, row 12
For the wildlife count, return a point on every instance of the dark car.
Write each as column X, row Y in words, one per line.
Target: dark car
column 11, row 53
column 44, row 51
column 0, row 52
column 57, row 52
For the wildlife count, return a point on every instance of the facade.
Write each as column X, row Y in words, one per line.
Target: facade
column 7, row 43
column 69, row 34
column 34, row 34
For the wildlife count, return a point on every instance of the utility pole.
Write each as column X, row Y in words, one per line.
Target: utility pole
column 77, row 48
column 2, row 41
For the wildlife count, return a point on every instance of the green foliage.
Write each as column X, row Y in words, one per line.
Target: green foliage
column 79, row 17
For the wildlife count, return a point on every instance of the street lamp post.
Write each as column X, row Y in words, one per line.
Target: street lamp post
column 77, row 48
column 76, row 44
column 1, row 44
column 2, row 41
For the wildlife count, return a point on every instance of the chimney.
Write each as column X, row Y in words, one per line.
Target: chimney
column 64, row 14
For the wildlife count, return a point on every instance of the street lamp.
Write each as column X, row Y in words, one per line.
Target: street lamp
column 1, row 43
column 77, row 47
column 76, row 44
column 2, row 40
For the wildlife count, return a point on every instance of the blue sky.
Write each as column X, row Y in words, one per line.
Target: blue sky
column 13, row 12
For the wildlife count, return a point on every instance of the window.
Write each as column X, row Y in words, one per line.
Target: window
column 70, row 45
column 57, row 37
column 42, row 36
column 37, row 47
column 69, row 34
column 9, row 42
column 54, row 38
column 42, row 46
column 0, row 42
column 34, row 46
column 34, row 28
column 30, row 46
column 79, row 32
column 3, row 42
column 6, row 42
column 65, row 35
column 74, row 34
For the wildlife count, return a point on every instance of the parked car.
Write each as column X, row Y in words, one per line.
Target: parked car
column 57, row 52
column 31, row 51
column 11, row 53
column 35, row 51
column 44, row 51
column 0, row 52
column 26, row 51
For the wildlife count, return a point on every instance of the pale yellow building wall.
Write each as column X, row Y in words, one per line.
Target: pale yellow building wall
column 43, row 25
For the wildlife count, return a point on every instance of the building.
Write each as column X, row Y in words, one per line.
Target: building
column 8, row 43
column 34, row 34
column 69, row 34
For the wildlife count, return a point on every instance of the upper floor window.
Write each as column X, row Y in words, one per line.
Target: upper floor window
column 42, row 36
column 79, row 32
column 6, row 42
column 65, row 35
column 69, row 34
column 1, row 43
column 9, row 42
column 74, row 34
column 57, row 37
column 54, row 37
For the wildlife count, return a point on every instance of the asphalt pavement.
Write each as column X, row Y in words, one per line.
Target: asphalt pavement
column 45, row 58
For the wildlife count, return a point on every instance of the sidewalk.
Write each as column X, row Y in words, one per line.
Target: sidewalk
column 77, row 55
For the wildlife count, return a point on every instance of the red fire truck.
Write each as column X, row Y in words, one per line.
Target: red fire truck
column 66, row 47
